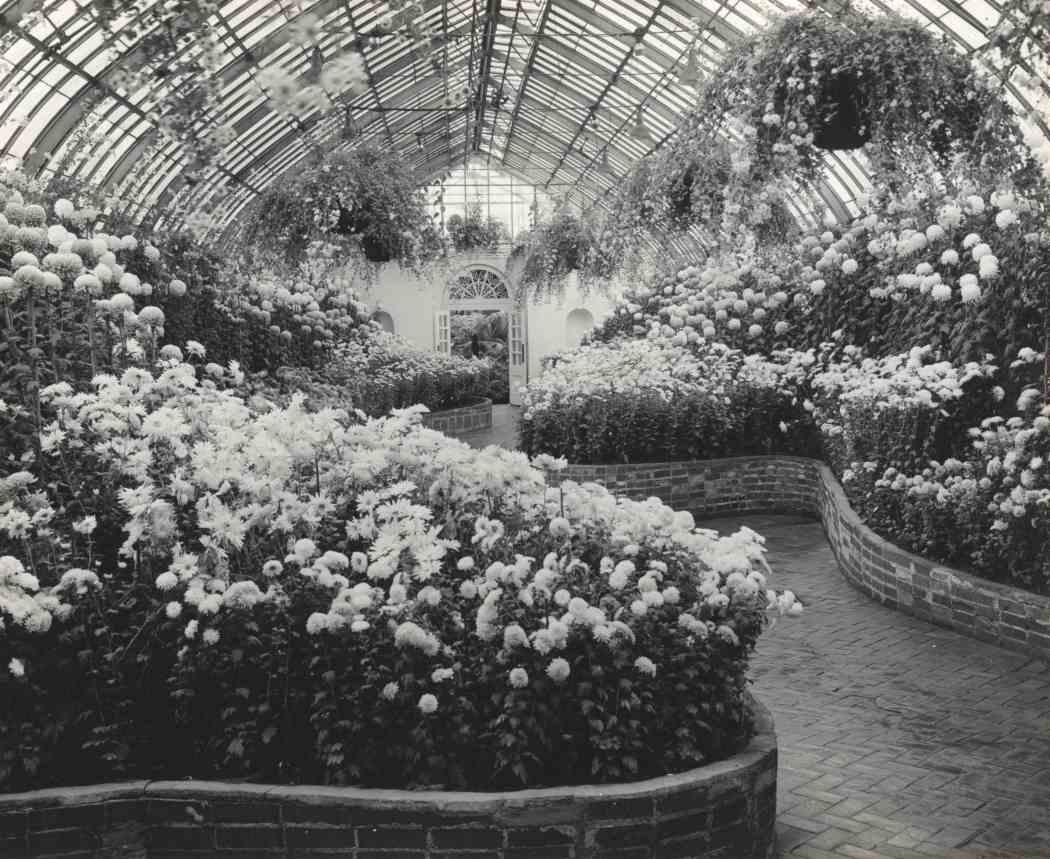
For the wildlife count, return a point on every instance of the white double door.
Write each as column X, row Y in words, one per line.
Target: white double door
column 517, row 336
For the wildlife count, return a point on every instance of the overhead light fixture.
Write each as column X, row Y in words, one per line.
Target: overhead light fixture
column 419, row 141
column 641, row 131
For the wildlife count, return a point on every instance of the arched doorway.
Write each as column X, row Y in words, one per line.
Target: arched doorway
column 385, row 320
column 577, row 324
column 479, row 299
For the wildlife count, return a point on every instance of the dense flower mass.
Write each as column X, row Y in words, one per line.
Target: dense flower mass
column 647, row 400
column 377, row 371
column 422, row 579
column 933, row 453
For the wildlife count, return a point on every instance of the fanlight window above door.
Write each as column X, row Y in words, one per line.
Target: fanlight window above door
column 478, row 283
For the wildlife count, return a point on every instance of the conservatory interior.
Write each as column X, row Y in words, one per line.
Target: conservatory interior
column 524, row 429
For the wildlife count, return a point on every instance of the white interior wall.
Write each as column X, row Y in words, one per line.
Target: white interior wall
column 412, row 302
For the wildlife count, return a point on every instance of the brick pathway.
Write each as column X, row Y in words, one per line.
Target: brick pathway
column 897, row 738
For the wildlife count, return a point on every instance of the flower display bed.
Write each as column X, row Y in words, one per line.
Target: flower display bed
column 1009, row 617
column 476, row 416
column 724, row 809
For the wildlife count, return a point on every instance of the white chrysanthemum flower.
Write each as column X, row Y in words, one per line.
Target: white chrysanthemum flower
column 514, row 636
column 941, row 292
column 518, row 678
column 969, row 289
column 428, row 704
column 173, row 610
column 988, row 267
column 390, row 691
column 317, row 623
column 560, row 527
column 645, row 665
column 1005, row 219
column 166, row 581
column 558, row 670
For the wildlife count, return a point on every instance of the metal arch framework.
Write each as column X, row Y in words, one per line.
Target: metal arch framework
column 545, row 89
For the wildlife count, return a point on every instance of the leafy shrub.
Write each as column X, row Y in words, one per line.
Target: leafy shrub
column 325, row 601
column 376, row 371
column 641, row 402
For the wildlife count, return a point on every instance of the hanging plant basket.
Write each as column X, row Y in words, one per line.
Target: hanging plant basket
column 843, row 119
column 358, row 223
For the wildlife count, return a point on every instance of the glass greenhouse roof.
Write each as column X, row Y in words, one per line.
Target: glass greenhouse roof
column 549, row 91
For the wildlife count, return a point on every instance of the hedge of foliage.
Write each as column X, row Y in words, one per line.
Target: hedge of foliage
column 376, row 371
column 637, row 402
column 293, row 596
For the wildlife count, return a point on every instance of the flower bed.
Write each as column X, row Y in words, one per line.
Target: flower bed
column 634, row 401
column 727, row 806
column 175, row 549
column 1010, row 617
column 376, row 372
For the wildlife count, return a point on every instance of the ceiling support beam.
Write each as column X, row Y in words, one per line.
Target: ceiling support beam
column 527, row 72
column 488, row 42
column 613, row 81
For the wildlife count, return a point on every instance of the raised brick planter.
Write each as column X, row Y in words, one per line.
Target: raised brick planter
column 477, row 416
column 725, row 809
column 1010, row 617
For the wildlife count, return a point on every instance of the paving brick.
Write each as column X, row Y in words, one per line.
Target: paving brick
column 890, row 728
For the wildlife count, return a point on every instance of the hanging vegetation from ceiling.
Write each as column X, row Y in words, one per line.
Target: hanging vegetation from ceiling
column 367, row 197
column 762, row 125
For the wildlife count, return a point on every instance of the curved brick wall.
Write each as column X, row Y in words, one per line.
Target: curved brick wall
column 466, row 419
column 1006, row 616
column 725, row 809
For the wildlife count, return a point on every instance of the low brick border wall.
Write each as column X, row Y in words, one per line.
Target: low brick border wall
column 1010, row 617
column 476, row 416
column 724, row 809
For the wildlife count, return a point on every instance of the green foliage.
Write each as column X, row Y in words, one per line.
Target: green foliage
column 549, row 252
column 367, row 194
column 375, row 372
column 647, row 427
column 474, row 232
column 764, row 119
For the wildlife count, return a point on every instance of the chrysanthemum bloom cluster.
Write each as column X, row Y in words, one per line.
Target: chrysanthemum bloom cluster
column 379, row 371
column 421, row 578
column 990, row 504
column 930, row 251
